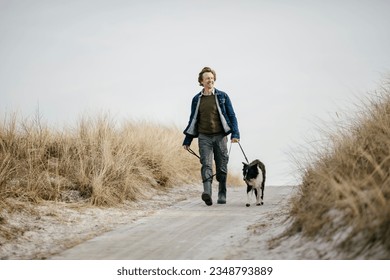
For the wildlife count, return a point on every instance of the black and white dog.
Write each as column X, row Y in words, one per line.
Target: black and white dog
column 254, row 177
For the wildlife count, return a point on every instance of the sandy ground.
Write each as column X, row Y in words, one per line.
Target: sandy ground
column 170, row 225
column 188, row 230
column 51, row 229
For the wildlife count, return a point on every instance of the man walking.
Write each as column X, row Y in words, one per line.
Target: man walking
column 212, row 119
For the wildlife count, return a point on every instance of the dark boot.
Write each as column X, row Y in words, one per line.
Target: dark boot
column 206, row 195
column 222, row 193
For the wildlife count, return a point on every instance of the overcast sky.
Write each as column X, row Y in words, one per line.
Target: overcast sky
column 285, row 64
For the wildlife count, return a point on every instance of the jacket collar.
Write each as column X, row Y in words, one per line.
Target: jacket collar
column 212, row 92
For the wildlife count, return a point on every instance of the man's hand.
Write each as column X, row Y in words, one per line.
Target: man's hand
column 235, row 140
column 186, row 147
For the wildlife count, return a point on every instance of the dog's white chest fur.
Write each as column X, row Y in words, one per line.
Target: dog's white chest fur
column 256, row 182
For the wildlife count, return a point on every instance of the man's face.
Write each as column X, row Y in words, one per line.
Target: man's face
column 208, row 80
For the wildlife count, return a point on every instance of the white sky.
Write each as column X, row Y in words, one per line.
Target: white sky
column 285, row 64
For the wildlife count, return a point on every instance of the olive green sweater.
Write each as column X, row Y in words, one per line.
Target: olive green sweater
column 209, row 121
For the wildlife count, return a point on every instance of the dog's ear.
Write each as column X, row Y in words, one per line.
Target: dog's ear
column 244, row 164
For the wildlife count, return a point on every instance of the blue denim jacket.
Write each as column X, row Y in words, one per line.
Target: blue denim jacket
column 226, row 114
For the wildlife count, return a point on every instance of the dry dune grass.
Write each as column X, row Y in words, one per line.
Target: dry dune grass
column 100, row 162
column 345, row 192
column 97, row 163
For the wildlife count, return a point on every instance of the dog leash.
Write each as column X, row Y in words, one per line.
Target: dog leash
column 192, row 152
column 195, row 154
column 242, row 150
column 230, row 148
column 243, row 153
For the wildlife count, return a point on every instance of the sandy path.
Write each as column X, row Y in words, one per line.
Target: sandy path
column 190, row 230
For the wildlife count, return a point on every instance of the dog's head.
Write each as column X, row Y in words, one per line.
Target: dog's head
column 251, row 171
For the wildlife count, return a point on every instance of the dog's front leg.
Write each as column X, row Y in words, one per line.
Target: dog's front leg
column 262, row 194
column 248, row 190
column 259, row 200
